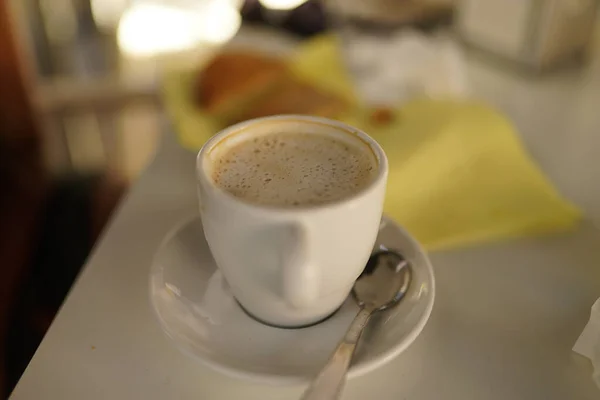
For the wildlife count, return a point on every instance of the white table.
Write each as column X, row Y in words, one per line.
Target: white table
column 505, row 319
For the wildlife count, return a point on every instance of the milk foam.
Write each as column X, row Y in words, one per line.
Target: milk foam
column 294, row 169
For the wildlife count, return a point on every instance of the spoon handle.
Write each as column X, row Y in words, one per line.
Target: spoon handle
column 329, row 383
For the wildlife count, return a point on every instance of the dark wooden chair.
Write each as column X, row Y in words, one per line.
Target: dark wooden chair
column 47, row 225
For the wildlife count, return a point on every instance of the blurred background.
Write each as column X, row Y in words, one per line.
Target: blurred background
column 81, row 109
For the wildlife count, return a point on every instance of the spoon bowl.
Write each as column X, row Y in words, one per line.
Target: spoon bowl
column 383, row 283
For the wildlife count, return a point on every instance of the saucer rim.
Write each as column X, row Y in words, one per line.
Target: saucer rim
column 279, row 380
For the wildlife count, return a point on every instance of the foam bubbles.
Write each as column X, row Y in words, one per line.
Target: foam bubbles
column 294, row 169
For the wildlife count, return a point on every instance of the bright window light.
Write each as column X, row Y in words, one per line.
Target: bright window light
column 148, row 29
column 220, row 23
column 106, row 13
column 282, row 4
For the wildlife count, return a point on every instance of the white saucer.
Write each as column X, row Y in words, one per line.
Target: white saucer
column 198, row 313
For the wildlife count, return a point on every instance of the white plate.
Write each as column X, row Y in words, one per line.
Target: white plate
column 196, row 310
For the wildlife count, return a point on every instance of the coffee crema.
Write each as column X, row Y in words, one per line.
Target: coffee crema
column 294, row 169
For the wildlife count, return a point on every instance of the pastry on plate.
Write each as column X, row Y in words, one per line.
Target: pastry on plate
column 291, row 96
column 234, row 79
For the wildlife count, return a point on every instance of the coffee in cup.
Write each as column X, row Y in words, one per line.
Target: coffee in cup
column 294, row 169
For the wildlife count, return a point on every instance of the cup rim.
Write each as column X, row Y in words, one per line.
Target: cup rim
column 201, row 174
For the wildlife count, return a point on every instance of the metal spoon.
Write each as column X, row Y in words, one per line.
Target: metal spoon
column 382, row 285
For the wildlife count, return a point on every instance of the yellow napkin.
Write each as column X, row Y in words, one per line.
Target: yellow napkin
column 458, row 173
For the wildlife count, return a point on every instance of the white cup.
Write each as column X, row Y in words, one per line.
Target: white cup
column 290, row 267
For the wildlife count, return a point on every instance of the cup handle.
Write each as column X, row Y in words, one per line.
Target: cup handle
column 300, row 278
